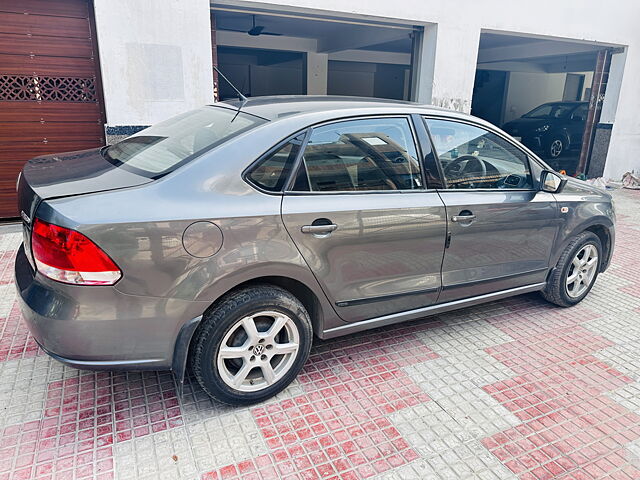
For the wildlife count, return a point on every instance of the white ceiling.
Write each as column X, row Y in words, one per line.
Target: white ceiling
column 523, row 53
column 316, row 29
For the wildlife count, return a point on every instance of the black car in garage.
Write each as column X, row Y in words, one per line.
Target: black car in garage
column 551, row 128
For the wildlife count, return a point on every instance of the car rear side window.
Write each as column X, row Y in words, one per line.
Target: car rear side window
column 580, row 113
column 162, row 148
column 272, row 171
column 360, row 155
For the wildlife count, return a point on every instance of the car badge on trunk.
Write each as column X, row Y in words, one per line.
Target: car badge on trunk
column 25, row 217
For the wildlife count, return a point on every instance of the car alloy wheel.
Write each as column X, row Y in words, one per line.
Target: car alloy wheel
column 258, row 351
column 582, row 271
column 555, row 149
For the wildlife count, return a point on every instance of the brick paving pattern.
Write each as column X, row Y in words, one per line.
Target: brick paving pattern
column 515, row 389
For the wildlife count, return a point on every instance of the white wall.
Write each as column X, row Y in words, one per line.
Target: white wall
column 623, row 153
column 528, row 90
column 588, row 78
column 317, row 69
column 155, row 58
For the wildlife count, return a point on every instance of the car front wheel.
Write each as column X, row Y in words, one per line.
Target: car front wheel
column 555, row 147
column 576, row 271
column 251, row 345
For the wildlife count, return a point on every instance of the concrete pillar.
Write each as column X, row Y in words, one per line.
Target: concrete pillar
column 155, row 59
column 614, row 83
column 317, row 72
column 598, row 162
column 445, row 66
column 625, row 136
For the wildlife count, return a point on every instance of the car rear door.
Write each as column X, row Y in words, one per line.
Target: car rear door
column 360, row 214
column 501, row 226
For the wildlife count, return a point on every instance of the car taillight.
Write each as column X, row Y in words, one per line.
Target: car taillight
column 68, row 256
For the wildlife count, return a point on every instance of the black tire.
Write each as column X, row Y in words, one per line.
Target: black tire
column 556, row 147
column 225, row 317
column 556, row 288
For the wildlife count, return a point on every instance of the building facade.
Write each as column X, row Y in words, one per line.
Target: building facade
column 77, row 73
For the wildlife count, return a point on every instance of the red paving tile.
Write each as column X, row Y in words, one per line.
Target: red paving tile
column 568, row 422
column 15, row 340
column 339, row 426
column 7, row 259
column 83, row 417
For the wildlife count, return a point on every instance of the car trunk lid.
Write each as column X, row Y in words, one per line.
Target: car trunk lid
column 70, row 174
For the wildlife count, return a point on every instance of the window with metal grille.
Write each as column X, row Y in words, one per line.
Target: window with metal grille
column 36, row 88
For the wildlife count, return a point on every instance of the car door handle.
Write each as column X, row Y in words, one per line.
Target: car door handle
column 319, row 229
column 463, row 218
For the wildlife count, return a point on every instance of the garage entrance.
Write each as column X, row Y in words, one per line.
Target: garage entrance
column 279, row 53
column 49, row 86
column 546, row 93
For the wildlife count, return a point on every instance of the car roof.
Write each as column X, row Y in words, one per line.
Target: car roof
column 565, row 102
column 280, row 106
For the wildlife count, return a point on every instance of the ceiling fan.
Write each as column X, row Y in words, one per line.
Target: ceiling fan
column 256, row 30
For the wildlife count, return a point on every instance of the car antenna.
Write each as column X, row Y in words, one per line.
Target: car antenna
column 240, row 95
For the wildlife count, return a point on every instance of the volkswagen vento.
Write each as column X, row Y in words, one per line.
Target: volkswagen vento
column 227, row 237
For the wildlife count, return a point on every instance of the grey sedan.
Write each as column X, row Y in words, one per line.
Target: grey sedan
column 227, row 237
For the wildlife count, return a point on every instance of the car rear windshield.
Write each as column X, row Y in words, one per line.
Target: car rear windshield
column 164, row 147
column 550, row 110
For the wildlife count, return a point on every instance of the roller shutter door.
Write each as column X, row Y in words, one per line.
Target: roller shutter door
column 50, row 97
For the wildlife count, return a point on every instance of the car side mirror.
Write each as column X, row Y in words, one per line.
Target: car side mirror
column 551, row 182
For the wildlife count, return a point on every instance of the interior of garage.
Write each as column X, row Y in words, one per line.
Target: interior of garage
column 287, row 54
column 515, row 74
column 261, row 72
column 284, row 53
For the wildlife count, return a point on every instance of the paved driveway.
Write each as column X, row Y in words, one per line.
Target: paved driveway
column 512, row 389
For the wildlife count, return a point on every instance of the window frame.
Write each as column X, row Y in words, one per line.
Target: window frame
column 245, row 175
column 416, row 141
column 529, row 158
column 573, row 112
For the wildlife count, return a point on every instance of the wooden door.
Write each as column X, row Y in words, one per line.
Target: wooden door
column 50, row 91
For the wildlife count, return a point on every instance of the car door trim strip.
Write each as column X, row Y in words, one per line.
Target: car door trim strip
column 494, row 279
column 426, row 311
column 382, row 298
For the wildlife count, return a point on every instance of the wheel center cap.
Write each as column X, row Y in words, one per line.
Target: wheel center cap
column 258, row 350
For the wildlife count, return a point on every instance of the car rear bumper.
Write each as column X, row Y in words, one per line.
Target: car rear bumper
column 99, row 327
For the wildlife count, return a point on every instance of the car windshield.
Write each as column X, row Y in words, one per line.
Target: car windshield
column 550, row 110
column 162, row 148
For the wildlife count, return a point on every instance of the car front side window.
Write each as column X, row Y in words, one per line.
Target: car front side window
column 473, row 157
column 360, row 155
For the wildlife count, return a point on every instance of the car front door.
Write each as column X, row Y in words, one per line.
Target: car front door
column 576, row 124
column 360, row 214
column 501, row 227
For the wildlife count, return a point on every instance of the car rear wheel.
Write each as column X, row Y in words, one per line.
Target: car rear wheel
column 251, row 345
column 576, row 271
